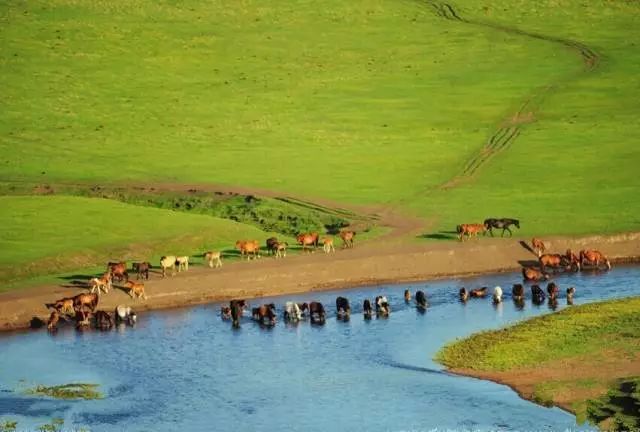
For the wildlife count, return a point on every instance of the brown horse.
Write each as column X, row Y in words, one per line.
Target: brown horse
column 265, row 312
column 64, row 305
column 86, row 299
column 118, row 270
column 141, row 269
column 555, row 261
column 347, row 238
column 236, row 307
column 103, row 320
column 327, row 245
column 271, row 245
column 308, row 239
column 53, row 320
column 317, row 313
column 538, row 246
column 517, row 292
column 136, row 289
column 594, row 257
column 533, row 274
column 470, row 230
column 552, row 291
column 478, row 292
column 407, row 296
column 248, row 248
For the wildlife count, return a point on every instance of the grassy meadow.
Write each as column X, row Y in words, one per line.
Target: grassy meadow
column 366, row 102
column 587, row 336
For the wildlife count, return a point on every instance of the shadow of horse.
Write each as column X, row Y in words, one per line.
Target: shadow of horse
column 440, row 235
column 526, row 245
column 529, row 263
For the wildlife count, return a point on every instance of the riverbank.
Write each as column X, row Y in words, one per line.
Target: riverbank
column 372, row 263
column 568, row 359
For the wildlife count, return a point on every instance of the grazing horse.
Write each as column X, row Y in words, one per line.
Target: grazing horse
column 124, row 314
column 552, row 290
column 382, row 306
column 317, row 313
column 104, row 321
column 64, row 305
column 292, row 312
column 308, row 239
column 265, row 312
column 538, row 246
column 537, row 294
column 210, row 257
column 168, row 261
column 141, row 269
column 470, row 230
column 478, row 292
column 85, row 299
column 327, row 245
column 407, row 296
column 503, row 224
column 53, row 320
column 517, row 292
column 281, row 249
column 118, row 270
column 464, row 294
column 136, row 289
column 183, row 263
column 421, row 300
column 271, row 245
column 497, row 295
column 367, row 311
column 248, row 248
column 343, row 309
column 593, row 257
column 236, row 311
column 555, row 261
column 347, row 238
column 533, row 274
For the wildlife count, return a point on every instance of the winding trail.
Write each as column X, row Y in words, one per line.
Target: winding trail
column 511, row 127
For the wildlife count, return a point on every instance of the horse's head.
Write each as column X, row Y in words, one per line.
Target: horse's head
column 516, row 222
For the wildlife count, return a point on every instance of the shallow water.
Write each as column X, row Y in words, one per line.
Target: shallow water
column 188, row 370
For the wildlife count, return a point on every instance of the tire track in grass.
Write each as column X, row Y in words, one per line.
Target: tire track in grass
column 512, row 126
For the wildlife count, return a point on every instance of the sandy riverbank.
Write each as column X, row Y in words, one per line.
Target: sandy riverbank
column 366, row 264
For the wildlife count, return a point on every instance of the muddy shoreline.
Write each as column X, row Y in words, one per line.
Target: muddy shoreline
column 366, row 264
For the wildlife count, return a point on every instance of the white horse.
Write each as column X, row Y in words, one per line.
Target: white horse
column 497, row 295
column 183, row 263
column 292, row 311
column 166, row 262
column 211, row 256
column 125, row 314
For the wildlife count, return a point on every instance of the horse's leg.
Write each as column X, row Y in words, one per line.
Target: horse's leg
column 491, row 230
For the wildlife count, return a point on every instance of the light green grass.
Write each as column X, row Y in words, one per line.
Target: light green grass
column 40, row 235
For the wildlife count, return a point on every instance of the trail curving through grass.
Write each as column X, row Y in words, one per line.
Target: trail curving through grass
column 511, row 127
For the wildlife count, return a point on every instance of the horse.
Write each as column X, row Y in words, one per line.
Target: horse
column 141, row 269
column 82, row 318
column 552, row 290
column 570, row 293
column 168, row 261
column 101, row 284
column 538, row 246
column 281, row 249
column 64, row 305
column 212, row 256
column 407, row 296
column 183, row 263
column 292, row 312
column 118, row 270
column 533, row 274
column 271, row 245
column 517, row 292
column 470, row 230
column 307, row 239
column 136, row 289
column 537, row 294
column 236, row 307
column 573, row 260
column 367, row 311
column 85, row 299
column 555, row 261
column 327, row 245
column 503, row 224
column 225, row 312
column 53, row 321
column 593, row 257
column 266, row 311
column 317, row 313
column 463, row 294
column 382, row 306
column 478, row 292
column 103, row 320
column 343, row 309
column 347, row 238
column 124, row 314
column 248, row 248
column 497, row 295
column 421, row 300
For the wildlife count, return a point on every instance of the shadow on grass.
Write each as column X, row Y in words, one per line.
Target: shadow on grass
column 440, row 235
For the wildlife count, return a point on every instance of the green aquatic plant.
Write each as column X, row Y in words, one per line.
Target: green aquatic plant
column 54, row 426
column 68, row 391
column 8, row 426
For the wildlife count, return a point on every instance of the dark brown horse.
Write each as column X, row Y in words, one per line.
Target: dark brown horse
column 265, row 314
column 271, row 244
column 517, row 292
column 343, row 309
column 141, row 269
column 103, row 320
column 552, row 290
column 236, row 307
column 537, row 294
column 83, row 300
column 367, row 310
column 502, row 224
column 421, row 300
column 317, row 313
column 479, row 292
column 118, row 270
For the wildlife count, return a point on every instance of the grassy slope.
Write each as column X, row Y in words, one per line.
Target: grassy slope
column 54, row 234
column 588, row 333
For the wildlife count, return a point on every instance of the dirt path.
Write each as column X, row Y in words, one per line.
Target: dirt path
column 366, row 264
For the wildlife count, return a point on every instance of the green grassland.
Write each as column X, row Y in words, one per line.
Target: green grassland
column 365, row 102
column 588, row 333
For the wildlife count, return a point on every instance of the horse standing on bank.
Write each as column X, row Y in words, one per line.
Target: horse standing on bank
column 502, row 224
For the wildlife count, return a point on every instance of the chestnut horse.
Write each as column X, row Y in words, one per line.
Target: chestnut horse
column 555, row 261
column 141, row 269
column 533, row 274
column 347, row 238
column 118, row 270
column 470, row 230
column 594, row 257
column 248, row 248
column 308, row 239
column 478, row 292
column 85, row 299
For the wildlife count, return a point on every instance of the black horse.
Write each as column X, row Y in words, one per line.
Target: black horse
column 537, row 294
column 317, row 313
column 342, row 308
column 367, row 310
column 421, row 300
column 503, row 224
